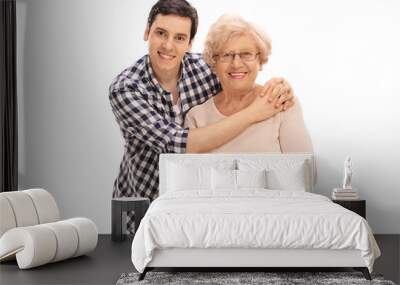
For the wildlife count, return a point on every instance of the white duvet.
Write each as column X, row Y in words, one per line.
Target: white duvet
column 252, row 218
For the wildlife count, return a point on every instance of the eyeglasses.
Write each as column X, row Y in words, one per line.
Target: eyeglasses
column 229, row 57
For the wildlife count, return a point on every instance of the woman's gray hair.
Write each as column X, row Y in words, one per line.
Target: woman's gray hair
column 230, row 25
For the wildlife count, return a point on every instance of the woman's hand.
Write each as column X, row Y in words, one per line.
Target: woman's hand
column 279, row 91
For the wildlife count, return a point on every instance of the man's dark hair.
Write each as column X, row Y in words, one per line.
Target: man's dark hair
column 180, row 8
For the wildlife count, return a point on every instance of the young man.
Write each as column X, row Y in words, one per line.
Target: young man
column 151, row 98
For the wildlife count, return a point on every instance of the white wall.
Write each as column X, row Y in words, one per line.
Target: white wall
column 341, row 58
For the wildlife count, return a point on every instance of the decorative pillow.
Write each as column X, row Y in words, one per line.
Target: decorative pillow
column 223, row 179
column 251, row 178
column 182, row 177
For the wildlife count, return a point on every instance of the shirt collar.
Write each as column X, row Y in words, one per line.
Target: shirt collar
column 185, row 67
column 152, row 76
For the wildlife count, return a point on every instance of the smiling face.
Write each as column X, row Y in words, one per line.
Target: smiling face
column 238, row 76
column 169, row 40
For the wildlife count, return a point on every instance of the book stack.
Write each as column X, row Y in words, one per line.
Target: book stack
column 344, row 194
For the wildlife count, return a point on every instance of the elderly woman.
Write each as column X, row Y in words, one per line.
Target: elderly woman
column 236, row 50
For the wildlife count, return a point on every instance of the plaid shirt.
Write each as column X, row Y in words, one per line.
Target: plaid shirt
column 144, row 111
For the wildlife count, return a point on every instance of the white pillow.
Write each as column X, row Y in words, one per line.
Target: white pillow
column 251, row 178
column 281, row 174
column 223, row 179
column 287, row 179
column 182, row 177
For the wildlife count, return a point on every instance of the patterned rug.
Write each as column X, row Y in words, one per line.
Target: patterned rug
column 244, row 278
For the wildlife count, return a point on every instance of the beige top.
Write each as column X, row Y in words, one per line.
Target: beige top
column 283, row 133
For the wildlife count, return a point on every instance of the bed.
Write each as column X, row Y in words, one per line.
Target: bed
column 245, row 211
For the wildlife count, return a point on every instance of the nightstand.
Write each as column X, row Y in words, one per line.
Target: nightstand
column 118, row 220
column 357, row 206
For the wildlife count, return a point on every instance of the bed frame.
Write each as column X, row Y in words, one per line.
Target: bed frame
column 248, row 259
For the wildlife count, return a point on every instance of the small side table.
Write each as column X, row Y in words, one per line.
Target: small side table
column 118, row 220
column 357, row 206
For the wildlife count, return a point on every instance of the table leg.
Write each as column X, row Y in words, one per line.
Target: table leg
column 140, row 211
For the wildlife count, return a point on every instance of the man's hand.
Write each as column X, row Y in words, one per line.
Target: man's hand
column 279, row 91
column 261, row 109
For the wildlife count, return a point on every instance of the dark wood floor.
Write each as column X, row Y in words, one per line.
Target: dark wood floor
column 110, row 260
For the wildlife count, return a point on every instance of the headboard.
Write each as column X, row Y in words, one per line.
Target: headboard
column 234, row 160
